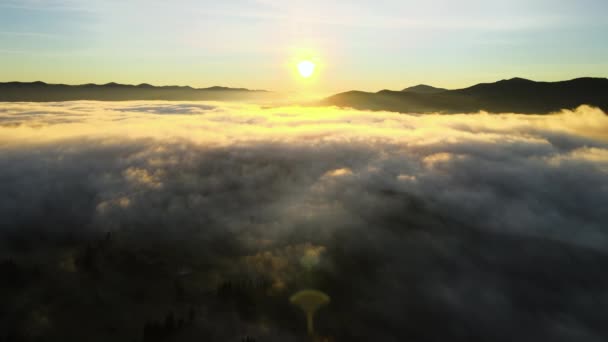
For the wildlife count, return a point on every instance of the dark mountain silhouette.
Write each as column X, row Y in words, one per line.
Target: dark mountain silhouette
column 423, row 89
column 516, row 95
column 42, row 92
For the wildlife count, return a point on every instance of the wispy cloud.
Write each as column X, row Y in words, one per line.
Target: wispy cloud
column 31, row 34
column 51, row 5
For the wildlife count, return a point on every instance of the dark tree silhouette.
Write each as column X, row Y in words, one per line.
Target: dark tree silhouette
column 11, row 275
column 192, row 315
column 180, row 292
column 89, row 260
column 170, row 325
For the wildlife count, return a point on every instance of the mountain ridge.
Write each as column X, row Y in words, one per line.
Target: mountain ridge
column 39, row 91
column 423, row 89
column 515, row 95
column 141, row 85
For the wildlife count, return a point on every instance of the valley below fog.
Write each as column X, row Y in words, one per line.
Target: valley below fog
column 198, row 220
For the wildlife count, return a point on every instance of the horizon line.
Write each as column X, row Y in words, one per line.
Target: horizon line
column 274, row 91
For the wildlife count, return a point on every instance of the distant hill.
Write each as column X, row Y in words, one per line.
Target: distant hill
column 423, row 89
column 516, row 95
column 43, row 92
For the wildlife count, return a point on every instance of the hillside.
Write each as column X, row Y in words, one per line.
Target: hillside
column 515, row 95
column 43, row 92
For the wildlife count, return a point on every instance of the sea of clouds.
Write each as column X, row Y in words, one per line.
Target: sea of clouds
column 492, row 226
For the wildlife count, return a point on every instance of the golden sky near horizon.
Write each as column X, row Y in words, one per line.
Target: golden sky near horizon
column 257, row 44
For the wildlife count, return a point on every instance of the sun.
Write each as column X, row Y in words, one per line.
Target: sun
column 306, row 68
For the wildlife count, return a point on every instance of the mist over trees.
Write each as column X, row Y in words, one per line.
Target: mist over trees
column 192, row 221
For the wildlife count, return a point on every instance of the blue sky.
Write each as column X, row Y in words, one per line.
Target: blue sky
column 358, row 44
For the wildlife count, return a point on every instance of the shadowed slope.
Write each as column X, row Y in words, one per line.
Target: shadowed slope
column 515, row 95
column 42, row 92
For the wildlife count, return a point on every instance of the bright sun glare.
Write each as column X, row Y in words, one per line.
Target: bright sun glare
column 306, row 68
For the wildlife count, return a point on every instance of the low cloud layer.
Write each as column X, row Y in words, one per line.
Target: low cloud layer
column 490, row 226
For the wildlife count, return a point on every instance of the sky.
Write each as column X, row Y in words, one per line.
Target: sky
column 357, row 44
